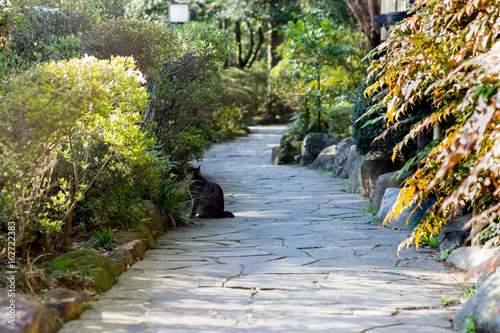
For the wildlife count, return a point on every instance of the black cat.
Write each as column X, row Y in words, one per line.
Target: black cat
column 208, row 198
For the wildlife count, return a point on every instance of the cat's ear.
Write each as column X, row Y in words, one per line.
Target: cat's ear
column 199, row 167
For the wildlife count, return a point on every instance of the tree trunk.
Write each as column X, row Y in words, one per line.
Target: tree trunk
column 274, row 39
column 365, row 11
column 243, row 60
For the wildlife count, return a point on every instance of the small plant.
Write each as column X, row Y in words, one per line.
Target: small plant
column 378, row 244
column 468, row 291
column 443, row 255
column 173, row 201
column 470, row 327
column 371, row 214
column 318, row 169
column 345, row 187
column 369, row 209
column 431, row 240
column 104, row 239
column 448, row 301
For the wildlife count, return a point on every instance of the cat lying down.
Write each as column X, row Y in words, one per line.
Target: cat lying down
column 208, row 198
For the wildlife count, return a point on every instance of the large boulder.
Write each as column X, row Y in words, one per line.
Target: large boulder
column 354, row 161
column 341, row 162
column 388, row 200
column 28, row 315
column 470, row 257
column 287, row 153
column 372, row 167
column 454, row 234
column 313, row 144
column 89, row 263
column 325, row 159
column 383, row 182
column 483, row 308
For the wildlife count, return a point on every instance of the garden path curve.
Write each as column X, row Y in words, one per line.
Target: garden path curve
column 300, row 256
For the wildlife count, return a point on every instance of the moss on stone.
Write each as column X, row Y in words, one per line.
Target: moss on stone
column 90, row 263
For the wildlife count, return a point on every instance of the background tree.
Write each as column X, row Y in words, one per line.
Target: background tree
column 323, row 61
column 365, row 11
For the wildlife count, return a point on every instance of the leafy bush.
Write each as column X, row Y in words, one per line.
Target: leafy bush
column 151, row 45
column 446, row 54
column 48, row 30
column 182, row 65
column 247, row 88
column 339, row 119
column 85, row 103
column 367, row 124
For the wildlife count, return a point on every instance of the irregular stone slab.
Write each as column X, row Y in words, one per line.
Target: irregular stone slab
column 298, row 257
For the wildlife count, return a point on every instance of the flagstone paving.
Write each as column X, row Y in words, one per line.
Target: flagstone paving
column 300, row 256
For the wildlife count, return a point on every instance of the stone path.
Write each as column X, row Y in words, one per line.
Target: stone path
column 298, row 257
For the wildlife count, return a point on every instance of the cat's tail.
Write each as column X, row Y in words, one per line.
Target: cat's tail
column 227, row 214
column 223, row 214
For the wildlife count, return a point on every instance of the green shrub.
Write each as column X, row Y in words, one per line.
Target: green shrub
column 150, row 44
column 365, row 130
column 247, row 88
column 182, row 65
column 339, row 119
column 52, row 117
column 48, row 30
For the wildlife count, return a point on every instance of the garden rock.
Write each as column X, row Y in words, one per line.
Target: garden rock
column 68, row 304
column 341, row 163
column 121, row 259
column 325, row 159
column 137, row 248
column 354, row 161
column 31, row 316
column 383, row 182
column 313, row 144
column 154, row 223
column 89, row 263
column 483, row 307
column 372, row 167
column 453, row 235
column 470, row 257
column 390, row 197
column 285, row 154
column 122, row 237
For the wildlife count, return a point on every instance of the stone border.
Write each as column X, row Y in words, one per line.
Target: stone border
column 46, row 313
